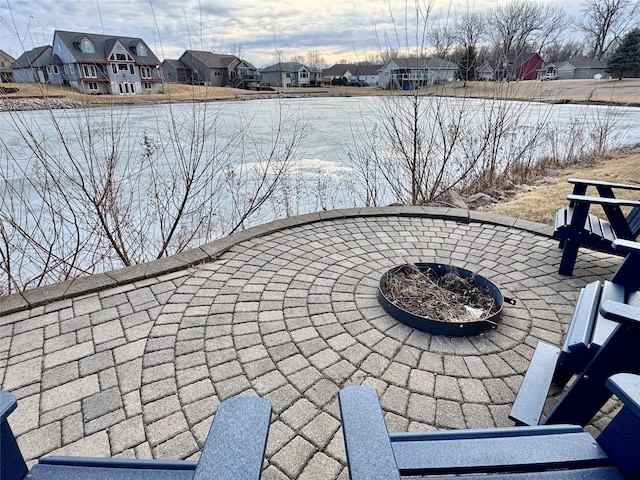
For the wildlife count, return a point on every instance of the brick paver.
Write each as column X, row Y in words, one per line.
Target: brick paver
column 287, row 311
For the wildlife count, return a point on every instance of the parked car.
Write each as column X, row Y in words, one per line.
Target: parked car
column 549, row 76
column 358, row 83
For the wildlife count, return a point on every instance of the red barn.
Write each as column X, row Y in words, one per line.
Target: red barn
column 524, row 66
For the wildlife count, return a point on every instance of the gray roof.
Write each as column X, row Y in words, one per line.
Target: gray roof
column 339, row 69
column 431, row 63
column 212, row 60
column 36, row 57
column 175, row 63
column 103, row 44
column 586, row 62
column 369, row 69
column 6, row 55
column 285, row 67
column 216, row 60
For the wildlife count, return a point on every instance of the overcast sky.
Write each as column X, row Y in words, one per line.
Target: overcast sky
column 336, row 29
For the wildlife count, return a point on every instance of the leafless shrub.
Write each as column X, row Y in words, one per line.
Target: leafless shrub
column 89, row 190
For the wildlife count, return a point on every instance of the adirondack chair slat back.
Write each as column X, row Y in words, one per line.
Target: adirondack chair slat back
column 12, row 465
column 633, row 219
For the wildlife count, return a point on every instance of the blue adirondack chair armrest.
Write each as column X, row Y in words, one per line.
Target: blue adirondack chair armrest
column 602, row 183
column 620, row 312
column 8, row 404
column 626, row 246
column 366, row 437
column 237, row 441
column 626, row 386
column 604, row 201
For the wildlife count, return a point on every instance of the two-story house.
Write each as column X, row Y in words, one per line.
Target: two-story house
column 31, row 66
column 212, row 69
column 415, row 72
column 523, row 66
column 6, row 74
column 95, row 64
column 290, row 74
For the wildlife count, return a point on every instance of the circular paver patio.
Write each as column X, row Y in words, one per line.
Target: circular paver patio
column 288, row 312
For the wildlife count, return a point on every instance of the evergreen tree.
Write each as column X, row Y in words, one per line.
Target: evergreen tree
column 626, row 58
column 467, row 64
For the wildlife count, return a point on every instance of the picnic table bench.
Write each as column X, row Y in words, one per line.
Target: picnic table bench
column 234, row 450
column 602, row 339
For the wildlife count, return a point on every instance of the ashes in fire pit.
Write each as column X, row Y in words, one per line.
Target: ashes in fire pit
column 440, row 299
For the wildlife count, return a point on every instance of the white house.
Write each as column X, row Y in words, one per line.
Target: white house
column 289, row 74
column 413, row 72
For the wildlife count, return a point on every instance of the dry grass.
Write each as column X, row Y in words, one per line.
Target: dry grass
column 540, row 202
column 173, row 93
column 626, row 92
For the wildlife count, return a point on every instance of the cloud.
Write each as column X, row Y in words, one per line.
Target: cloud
column 334, row 29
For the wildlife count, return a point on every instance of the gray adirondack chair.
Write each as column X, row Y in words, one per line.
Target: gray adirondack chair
column 576, row 227
column 601, row 340
column 234, row 450
column 561, row 452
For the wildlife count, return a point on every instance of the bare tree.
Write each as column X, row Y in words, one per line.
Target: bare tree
column 471, row 28
column 443, row 39
column 235, row 49
column 314, row 60
column 558, row 51
column 523, row 25
column 605, row 22
column 297, row 58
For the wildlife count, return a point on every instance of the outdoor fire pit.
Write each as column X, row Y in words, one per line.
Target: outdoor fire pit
column 450, row 327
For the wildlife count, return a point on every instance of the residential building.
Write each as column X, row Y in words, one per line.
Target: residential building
column 174, row 71
column 6, row 74
column 523, row 66
column 290, row 74
column 581, row 67
column 31, row 66
column 104, row 64
column 369, row 74
column 352, row 73
column 339, row 71
column 413, row 72
column 212, row 69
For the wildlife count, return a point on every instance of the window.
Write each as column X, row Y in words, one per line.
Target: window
column 55, row 69
column 120, row 55
column 146, row 85
column 89, row 71
column 123, row 66
column 87, row 46
column 65, row 69
column 142, row 50
column 114, row 68
column 132, row 69
column 49, row 69
column 92, row 85
column 304, row 74
column 126, row 88
column 145, row 72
